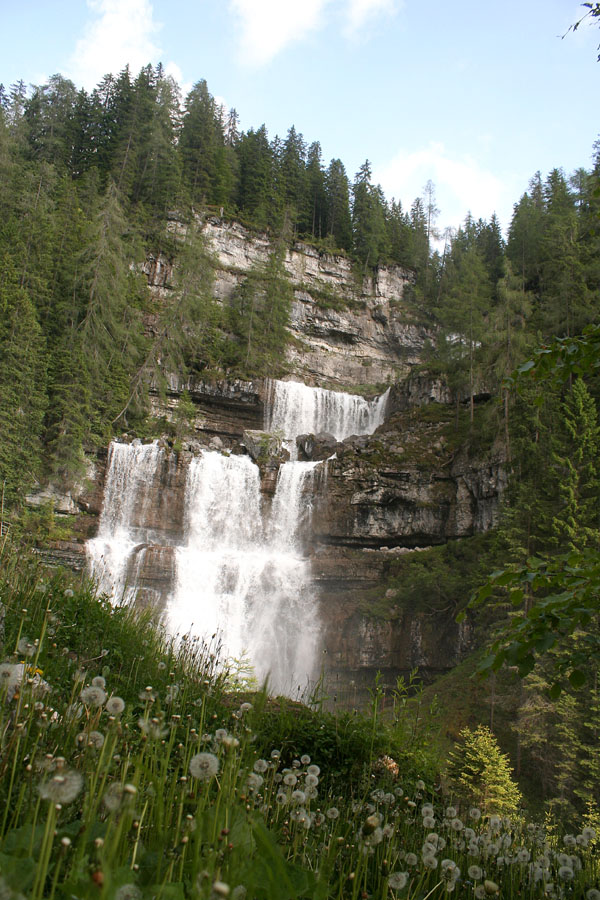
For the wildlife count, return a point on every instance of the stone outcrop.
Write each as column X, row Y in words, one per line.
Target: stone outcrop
column 349, row 329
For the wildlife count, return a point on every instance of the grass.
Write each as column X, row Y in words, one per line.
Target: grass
column 132, row 767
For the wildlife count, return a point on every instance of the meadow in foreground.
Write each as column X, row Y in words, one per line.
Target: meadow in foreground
column 131, row 767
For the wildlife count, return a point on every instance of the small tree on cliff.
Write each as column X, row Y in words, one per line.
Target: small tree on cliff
column 481, row 775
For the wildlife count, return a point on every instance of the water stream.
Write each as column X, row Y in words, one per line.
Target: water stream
column 241, row 567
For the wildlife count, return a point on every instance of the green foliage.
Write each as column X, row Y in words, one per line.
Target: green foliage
column 259, row 317
column 480, row 774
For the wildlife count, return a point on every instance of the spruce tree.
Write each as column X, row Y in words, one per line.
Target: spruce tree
column 481, row 775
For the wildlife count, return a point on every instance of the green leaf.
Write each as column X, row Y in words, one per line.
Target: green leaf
column 555, row 691
column 577, row 678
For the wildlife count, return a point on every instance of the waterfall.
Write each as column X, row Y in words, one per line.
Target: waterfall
column 297, row 409
column 122, row 528
column 241, row 570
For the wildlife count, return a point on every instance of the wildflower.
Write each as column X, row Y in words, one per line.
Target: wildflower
column 313, row 771
column 290, row 779
column 475, row 872
column 451, row 812
column 230, row 742
column 427, row 810
column 305, row 759
column 590, row 834
column 203, row 766
column 397, row 880
column 475, row 813
column 298, row 796
column 388, row 831
column 220, row 889
column 311, row 792
column 311, row 780
column 592, row 894
column 115, row 706
column 128, row 892
column 96, row 739
column 62, row 787
column 429, row 861
column 261, row 766
column 480, row 892
column 114, row 797
column 93, row 695
column 565, row 873
column 26, row 647
column 569, row 840
column 152, row 728
column 281, row 798
column 148, row 695
column 420, row 785
column 523, row 856
column 456, row 824
column 239, row 892
column 275, row 754
column 332, row 813
column 99, row 681
column 375, row 837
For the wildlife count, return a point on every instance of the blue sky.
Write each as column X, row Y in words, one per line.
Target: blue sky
column 475, row 96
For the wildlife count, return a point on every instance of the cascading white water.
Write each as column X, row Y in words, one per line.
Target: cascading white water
column 245, row 580
column 240, row 574
column 297, row 409
column 130, row 474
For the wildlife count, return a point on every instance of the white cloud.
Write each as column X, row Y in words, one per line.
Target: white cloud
column 462, row 184
column 267, row 26
column 360, row 11
column 121, row 32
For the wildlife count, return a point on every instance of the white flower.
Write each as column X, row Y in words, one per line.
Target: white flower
column 305, row 759
column 475, row 872
column 298, row 796
column 397, row 880
column 475, row 813
column 63, row 787
column 261, row 766
column 313, row 770
column 311, row 780
column 427, row 810
column 99, row 681
column 411, row 859
column 93, row 695
column 290, row 779
column 115, row 706
column 254, row 781
column 565, row 873
column 451, row 812
column 332, row 813
column 203, row 766
column 128, row 892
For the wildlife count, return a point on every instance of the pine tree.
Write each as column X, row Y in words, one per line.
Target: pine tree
column 481, row 774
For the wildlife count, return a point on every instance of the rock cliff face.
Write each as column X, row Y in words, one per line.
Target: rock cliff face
column 349, row 329
column 411, row 485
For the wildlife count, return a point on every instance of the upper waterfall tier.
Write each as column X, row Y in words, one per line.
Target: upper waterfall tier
column 294, row 409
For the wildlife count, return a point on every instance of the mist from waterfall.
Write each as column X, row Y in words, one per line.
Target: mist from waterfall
column 242, row 570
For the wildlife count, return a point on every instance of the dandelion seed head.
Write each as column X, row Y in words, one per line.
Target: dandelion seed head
column 203, row 766
column 311, row 780
column 261, row 766
column 313, row 770
column 93, row 695
column 305, row 759
column 332, row 813
column 115, row 705
column 128, row 892
column 475, row 872
column 590, row 835
column 99, row 681
column 290, row 779
column 411, row 859
column 592, row 894
column 397, row 880
column 63, row 787
column 566, row 873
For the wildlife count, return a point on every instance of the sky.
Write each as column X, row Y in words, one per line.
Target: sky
column 474, row 96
